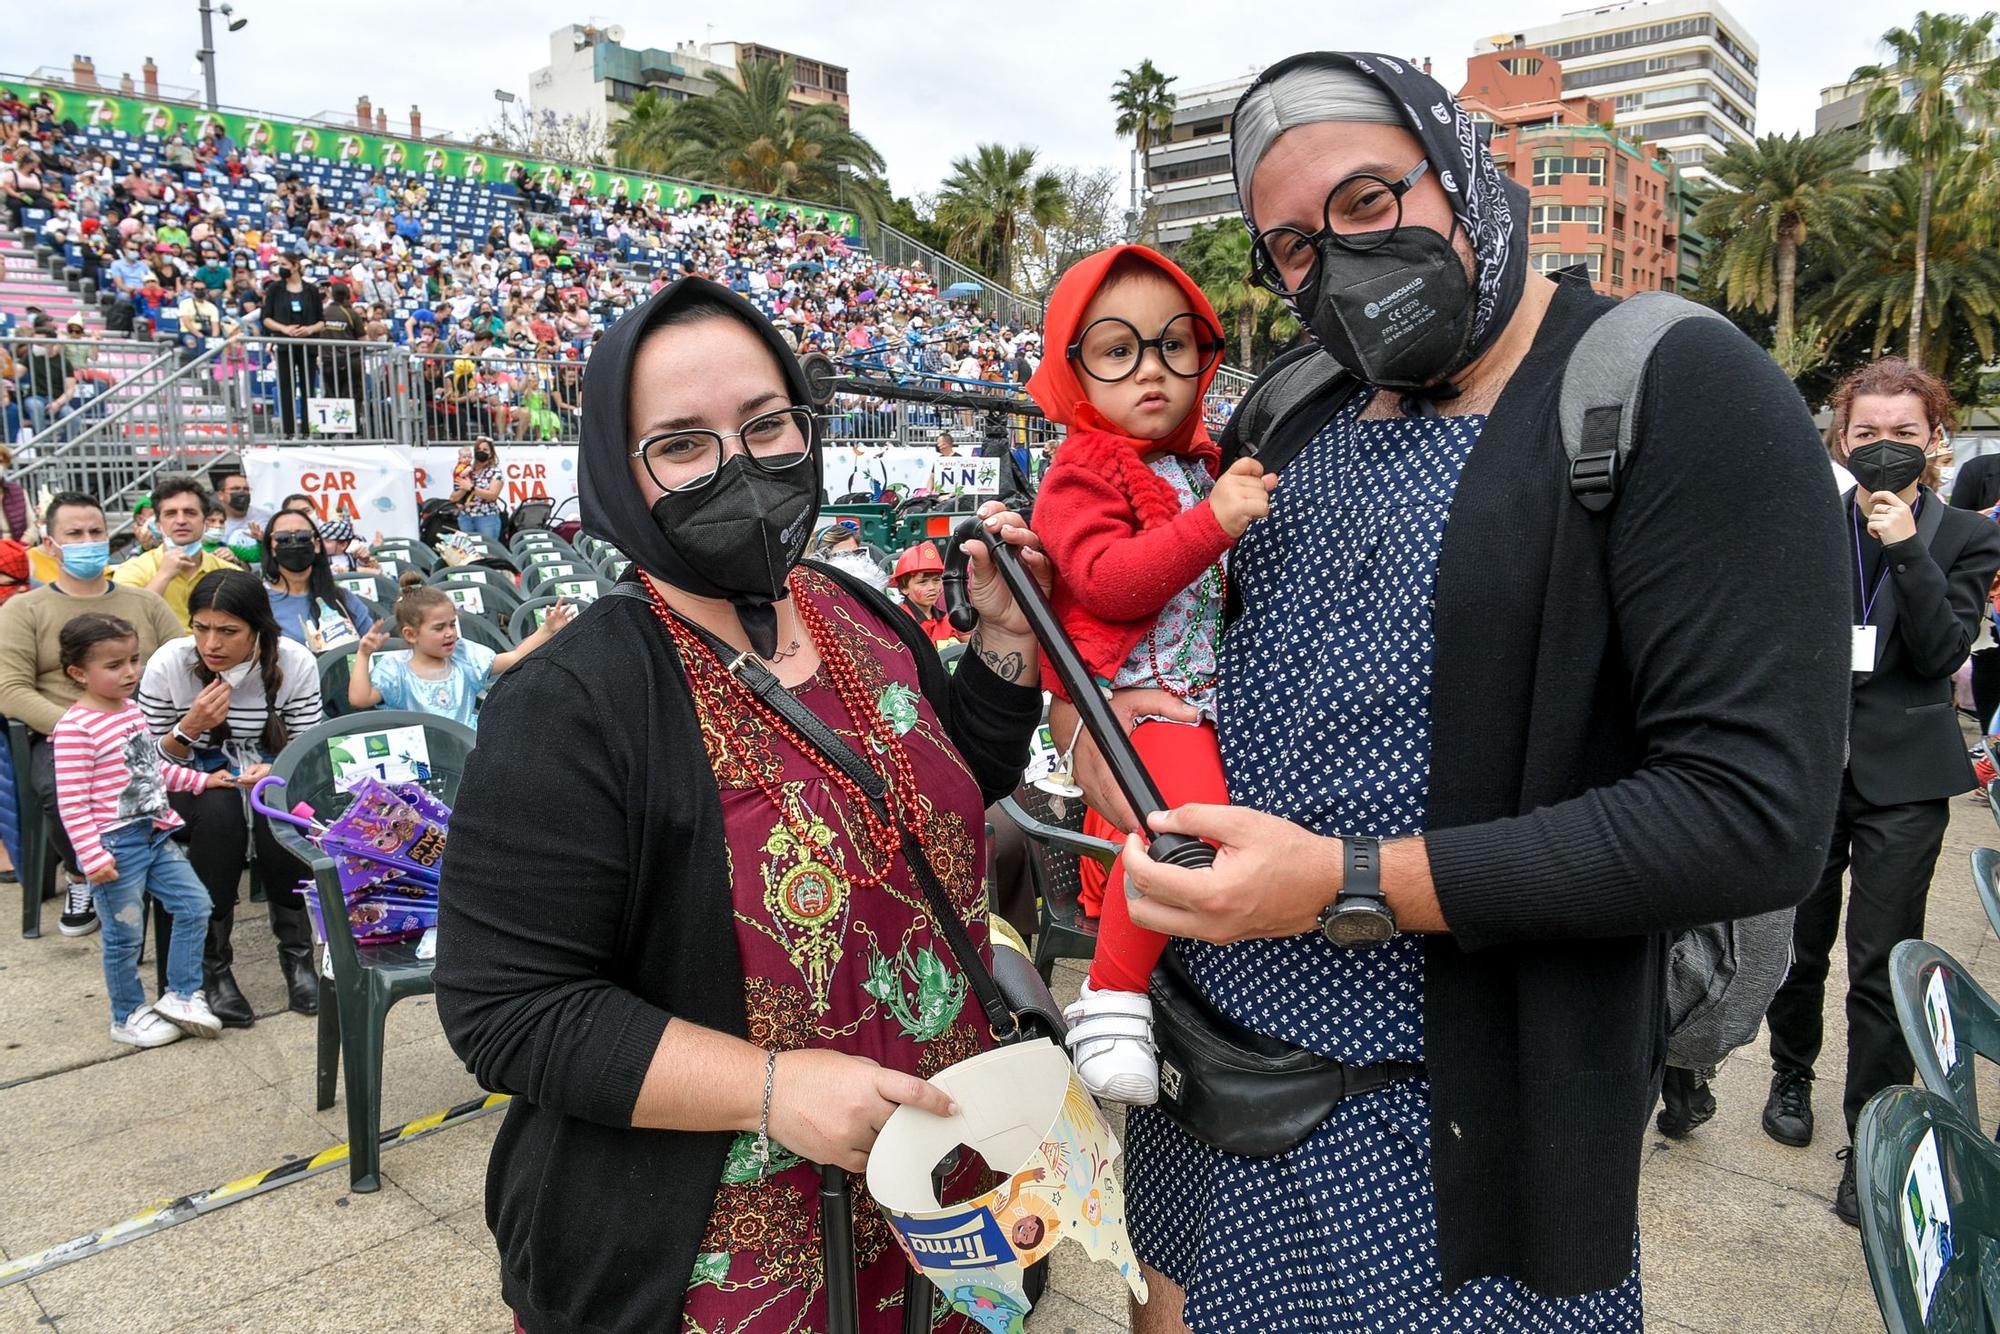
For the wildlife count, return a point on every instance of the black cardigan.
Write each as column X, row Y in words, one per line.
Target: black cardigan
column 1637, row 727
column 586, row 903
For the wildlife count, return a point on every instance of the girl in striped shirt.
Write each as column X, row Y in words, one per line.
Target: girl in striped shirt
column 111, row 791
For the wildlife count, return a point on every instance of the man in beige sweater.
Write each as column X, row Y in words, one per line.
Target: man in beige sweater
column 33, row 686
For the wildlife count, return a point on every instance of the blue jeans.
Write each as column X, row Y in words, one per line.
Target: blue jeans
column 482, row 525
column 149, row 862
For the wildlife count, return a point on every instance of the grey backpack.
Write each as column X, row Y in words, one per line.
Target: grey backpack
column 1721, row 977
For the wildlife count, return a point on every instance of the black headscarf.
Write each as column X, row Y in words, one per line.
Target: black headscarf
column 1492, row 209
column 611, row 504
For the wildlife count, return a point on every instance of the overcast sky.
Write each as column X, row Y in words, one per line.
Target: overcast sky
column 928, row 80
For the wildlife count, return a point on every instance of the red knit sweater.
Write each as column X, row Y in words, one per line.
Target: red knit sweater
column 1121, row 545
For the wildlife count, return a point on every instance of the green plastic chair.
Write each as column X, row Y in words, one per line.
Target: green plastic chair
column 582, row 590
column 488, row 628
column 336, row 668
column 37, row 869
column 537, row 577
column 1986, row 880
column 1056, row 846
column 376, row 589
column 406, row 552
column 527, row 617
column 1961, row 1220
column 495, row 595
column 1946, row 1018
column 532, row 540
column 367, row 981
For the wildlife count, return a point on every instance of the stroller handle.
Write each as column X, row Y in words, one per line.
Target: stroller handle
column 1141, row 794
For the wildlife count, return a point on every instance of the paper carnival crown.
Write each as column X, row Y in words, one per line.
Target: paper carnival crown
column 1022, row 1109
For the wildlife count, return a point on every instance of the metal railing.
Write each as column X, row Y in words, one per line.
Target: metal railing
column 154, row 428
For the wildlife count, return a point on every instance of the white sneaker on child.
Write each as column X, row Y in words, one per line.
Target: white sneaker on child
column 190, row 1014
column 145, row 1028
column 1111, row 1041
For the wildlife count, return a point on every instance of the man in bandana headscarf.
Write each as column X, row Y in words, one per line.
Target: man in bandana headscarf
column 1520, row 743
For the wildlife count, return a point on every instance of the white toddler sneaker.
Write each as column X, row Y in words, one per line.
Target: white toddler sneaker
column 144, row 1028
column 1111, row 1041
column 190, row 1014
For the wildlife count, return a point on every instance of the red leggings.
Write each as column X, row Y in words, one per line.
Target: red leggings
column 1187, row 768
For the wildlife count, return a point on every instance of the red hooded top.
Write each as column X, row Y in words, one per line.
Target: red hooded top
column 1121, row 545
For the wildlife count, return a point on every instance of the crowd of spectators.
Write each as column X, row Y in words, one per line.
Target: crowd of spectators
column 492, row 313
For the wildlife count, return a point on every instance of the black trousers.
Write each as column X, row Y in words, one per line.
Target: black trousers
column 294, row 367
column 1891, row 852
column 218, row 851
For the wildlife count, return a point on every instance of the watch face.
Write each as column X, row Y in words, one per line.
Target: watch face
column 1359, row 924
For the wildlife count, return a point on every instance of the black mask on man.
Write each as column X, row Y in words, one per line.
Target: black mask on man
column 238, row 502
column 743, row 532
column 1886, row 465
column 1399, row 316
column 293, row 553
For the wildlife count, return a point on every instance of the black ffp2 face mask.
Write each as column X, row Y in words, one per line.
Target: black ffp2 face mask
column 743, row 532
column 1886, row 465
column 1399, row 316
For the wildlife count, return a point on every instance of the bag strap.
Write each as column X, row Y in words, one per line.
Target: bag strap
column 1601, row 388
column 1286, row 407
column 748, row 669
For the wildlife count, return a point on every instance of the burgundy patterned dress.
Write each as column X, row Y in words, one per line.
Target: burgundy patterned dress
column 827, row 964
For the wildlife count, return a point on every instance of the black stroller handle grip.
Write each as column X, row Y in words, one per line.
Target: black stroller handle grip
column 1126, row 768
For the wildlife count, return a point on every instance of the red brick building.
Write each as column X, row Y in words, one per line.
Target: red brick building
column 1597, row 199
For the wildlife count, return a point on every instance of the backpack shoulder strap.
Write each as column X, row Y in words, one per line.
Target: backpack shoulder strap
column 1601, row 386
column 1289, row 402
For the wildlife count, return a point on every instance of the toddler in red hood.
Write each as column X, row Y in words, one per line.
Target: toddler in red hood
column 1137, row 525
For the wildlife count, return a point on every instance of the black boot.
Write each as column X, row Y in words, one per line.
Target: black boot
column 1846, row 1201
column 225, row 998
column 1685, row 1102
column 295, row 951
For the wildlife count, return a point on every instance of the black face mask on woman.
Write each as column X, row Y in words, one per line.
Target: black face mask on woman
column 1886, row 465
column 1400, row 315
column 296, row 555
column 744, row 531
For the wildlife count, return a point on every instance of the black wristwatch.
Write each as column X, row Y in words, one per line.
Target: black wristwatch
column 1359, row 915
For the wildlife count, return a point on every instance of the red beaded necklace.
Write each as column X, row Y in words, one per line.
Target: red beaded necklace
column 721, row 690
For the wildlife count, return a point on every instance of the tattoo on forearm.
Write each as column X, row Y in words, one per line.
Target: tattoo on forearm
column 1006, row 666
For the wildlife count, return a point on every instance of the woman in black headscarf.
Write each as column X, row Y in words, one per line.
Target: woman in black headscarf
column 673, row 930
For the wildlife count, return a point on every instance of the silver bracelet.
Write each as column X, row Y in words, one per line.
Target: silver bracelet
column 763, row 1147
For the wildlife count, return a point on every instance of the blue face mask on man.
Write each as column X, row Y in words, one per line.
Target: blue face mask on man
column 85, row 560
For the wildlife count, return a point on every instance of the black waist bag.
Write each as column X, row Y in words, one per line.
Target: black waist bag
column 1239, row 1091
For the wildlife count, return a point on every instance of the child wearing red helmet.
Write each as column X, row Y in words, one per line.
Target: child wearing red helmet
column 1137, row 524
column 919, row 578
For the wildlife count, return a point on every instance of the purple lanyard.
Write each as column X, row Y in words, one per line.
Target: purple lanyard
column 1861, row 567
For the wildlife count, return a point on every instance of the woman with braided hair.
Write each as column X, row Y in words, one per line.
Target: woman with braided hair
column 230, row 696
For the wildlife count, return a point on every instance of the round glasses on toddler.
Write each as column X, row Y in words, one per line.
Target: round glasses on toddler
column 1111, row 349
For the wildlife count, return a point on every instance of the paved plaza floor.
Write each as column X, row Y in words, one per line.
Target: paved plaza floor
column 1737, row 1231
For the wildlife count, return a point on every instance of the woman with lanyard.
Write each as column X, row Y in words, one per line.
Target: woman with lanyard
column 707, row 961
column 1921, row 574
column 230, row 696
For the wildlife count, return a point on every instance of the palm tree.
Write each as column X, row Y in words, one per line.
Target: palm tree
column 1943, row 74
column 1783, row 188
column 994, row 201
column 644, row 140
column 1146, row 112
column 1875, row 284
column 1217, row 256
column 751, row 137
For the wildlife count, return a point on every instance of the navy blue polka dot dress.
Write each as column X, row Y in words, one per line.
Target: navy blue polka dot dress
column 1325, row 720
